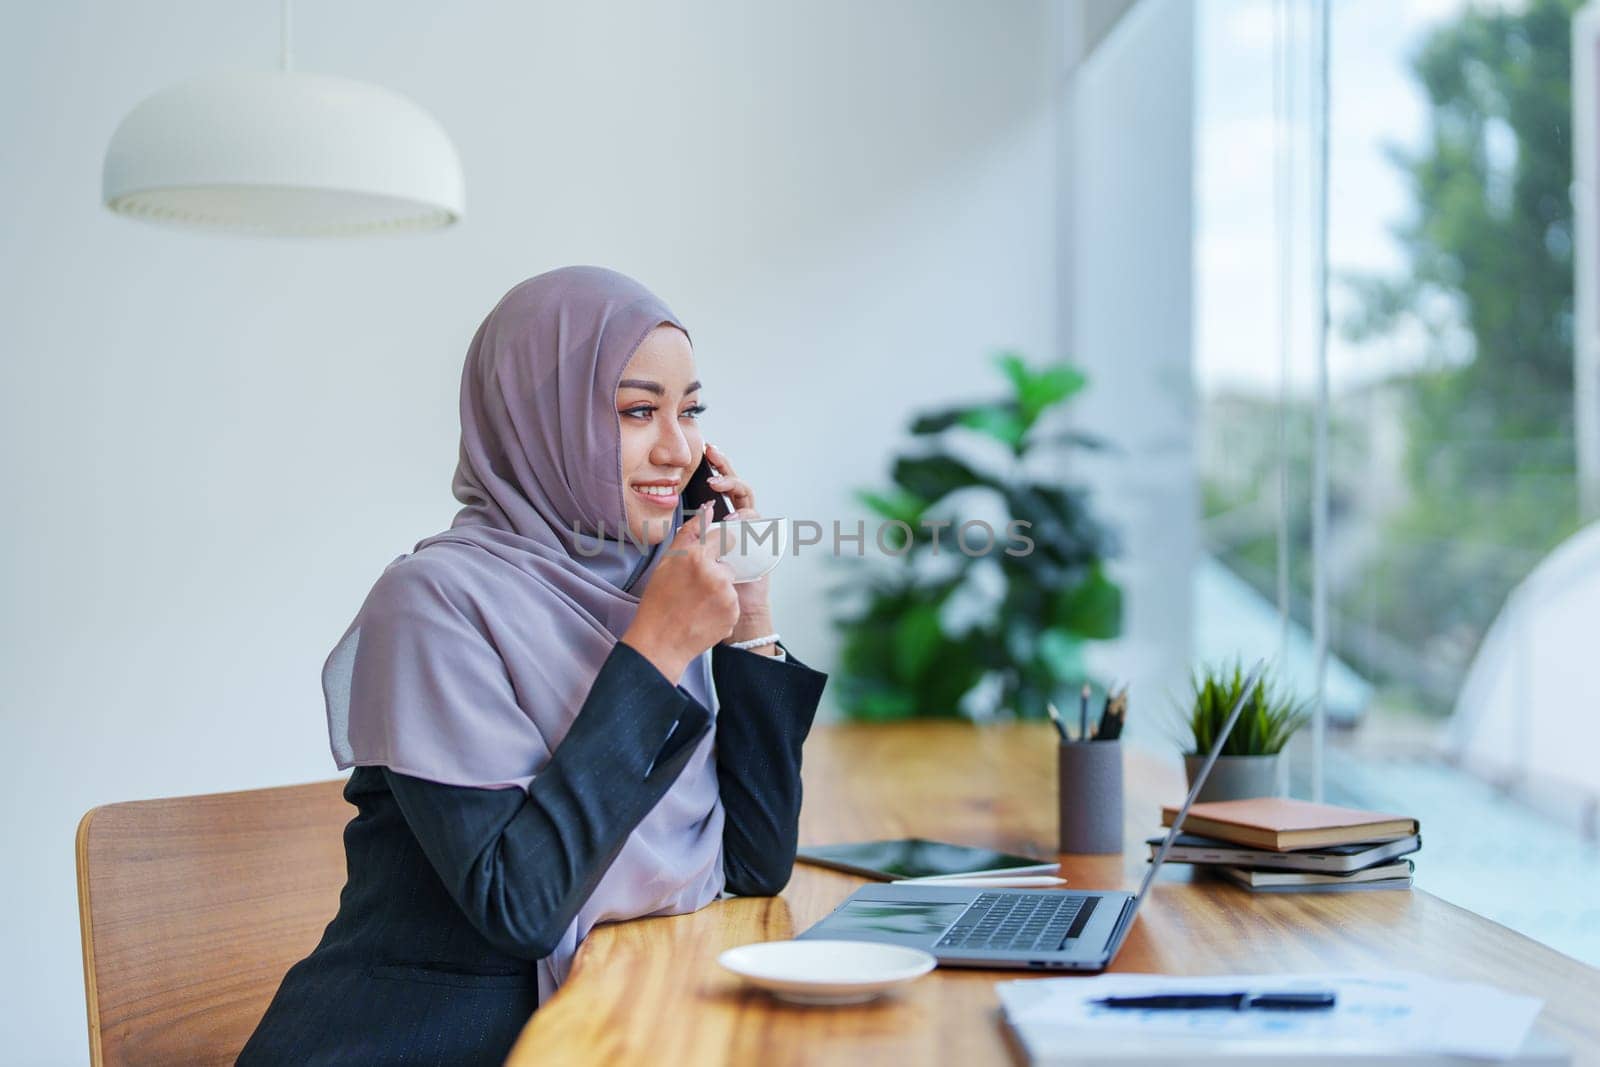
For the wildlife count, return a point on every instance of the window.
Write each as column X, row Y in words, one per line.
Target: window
column 1461, row 588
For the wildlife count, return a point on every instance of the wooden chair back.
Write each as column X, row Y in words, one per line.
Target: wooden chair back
column 192, row 909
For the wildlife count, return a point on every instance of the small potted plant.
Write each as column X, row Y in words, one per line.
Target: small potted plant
column 1251, row 761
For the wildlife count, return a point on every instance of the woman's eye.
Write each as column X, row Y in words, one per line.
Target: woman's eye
column 644, row 412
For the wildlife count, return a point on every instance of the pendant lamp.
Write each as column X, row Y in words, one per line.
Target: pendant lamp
column 283, row 153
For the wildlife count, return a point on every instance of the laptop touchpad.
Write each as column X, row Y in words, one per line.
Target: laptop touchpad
column 908, row 918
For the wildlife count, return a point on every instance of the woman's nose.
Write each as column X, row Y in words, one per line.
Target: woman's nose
column 672, row 448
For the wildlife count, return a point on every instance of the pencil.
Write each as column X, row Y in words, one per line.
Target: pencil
column 1083, row 713
column 1055, row 717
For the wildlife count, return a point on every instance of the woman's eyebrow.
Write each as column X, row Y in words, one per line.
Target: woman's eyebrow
column 652, row 387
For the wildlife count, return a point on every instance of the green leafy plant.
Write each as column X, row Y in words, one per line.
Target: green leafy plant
column 1270, row 717
column 1489, row 479
column 918, row 646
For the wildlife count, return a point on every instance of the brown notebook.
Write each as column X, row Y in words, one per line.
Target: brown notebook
column 1283, row 825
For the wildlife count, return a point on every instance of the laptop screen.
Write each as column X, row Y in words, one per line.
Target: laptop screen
column 1194, row 791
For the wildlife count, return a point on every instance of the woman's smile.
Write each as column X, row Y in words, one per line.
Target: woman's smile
column 661, row 494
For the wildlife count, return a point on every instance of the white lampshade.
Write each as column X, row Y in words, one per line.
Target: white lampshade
column 273, row 152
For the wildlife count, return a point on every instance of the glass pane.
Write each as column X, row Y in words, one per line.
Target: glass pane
column 1452, row 465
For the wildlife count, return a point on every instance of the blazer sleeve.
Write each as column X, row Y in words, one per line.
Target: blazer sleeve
column 521, row 864
column 767, row 706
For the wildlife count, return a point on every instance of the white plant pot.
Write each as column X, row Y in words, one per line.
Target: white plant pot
column 1240, row 777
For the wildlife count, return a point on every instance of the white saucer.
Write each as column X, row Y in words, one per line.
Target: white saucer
column 826, row 972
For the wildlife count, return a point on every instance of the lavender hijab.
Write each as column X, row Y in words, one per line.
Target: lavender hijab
column 472, row 656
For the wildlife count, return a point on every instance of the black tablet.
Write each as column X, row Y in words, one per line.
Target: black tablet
column 914, row 857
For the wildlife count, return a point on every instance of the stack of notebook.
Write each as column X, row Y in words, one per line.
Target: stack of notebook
column 1279, row 845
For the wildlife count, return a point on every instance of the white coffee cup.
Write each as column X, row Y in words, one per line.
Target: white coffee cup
column 752, row 547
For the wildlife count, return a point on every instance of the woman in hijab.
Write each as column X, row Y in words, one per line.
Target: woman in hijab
column 554, row 720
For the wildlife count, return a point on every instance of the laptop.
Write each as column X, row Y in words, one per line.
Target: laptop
column 1032, row 929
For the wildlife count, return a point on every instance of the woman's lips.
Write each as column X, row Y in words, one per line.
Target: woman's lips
column 665, row 503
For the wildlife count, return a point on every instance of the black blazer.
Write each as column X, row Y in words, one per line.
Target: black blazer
column 453, row 892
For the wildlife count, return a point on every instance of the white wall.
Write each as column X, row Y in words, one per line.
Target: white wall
column 212, row 446
column 1127, row 164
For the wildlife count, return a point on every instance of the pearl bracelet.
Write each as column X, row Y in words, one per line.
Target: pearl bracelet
column 754, row 642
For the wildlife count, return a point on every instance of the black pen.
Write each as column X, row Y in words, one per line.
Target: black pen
column 1117, row 710
column 1312, row 1000
column 1102, row 732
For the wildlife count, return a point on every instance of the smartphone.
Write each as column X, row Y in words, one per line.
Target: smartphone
column 699, row 490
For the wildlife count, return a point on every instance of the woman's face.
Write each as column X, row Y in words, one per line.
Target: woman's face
column 658, row 405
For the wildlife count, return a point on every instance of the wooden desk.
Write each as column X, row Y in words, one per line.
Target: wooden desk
column 651, row 990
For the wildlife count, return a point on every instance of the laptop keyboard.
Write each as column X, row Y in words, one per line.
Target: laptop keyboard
column 1019, row 922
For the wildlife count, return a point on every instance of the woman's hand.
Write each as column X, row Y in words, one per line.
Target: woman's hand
column 755, row 611
column 689, row 603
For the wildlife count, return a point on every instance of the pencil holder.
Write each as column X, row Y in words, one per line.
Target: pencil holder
column 1089, row 791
